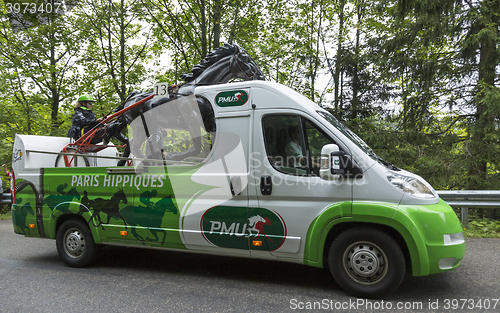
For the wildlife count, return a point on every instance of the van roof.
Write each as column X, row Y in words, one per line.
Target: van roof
column 290, row 98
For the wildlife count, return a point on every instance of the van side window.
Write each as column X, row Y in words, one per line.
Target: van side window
column 293, row 144
column 174, row 141
column 173, row 144
column 173, row 132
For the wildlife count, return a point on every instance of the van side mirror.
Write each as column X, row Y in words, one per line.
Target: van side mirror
column 336, row 163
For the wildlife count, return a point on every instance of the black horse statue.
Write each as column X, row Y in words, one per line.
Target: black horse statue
column 220, row 66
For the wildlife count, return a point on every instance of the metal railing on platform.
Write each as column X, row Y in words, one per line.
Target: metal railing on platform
column 462, row 199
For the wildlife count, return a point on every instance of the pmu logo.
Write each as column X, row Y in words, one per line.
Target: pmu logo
column 234, row 227
column 231, row 98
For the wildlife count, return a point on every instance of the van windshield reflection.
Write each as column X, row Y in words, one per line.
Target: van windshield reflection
column 354, row 138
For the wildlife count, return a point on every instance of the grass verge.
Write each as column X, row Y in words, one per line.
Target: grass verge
column 6, row 216
column 482, row 228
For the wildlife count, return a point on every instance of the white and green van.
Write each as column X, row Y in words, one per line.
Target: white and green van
column 280, row 179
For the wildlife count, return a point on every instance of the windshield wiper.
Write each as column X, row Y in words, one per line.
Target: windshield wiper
column 388, row 164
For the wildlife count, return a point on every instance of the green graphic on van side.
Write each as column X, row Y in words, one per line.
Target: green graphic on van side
column 123, row 208
column 25, row 210
column 231, row 98
column 233, row 227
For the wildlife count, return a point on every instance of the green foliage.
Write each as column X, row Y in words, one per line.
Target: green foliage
column 416, row 79
column 116, row 50
column 482, row 228
column 191, row 29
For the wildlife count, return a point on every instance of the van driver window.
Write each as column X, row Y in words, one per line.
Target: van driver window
column 316, row 139
column 293, row 144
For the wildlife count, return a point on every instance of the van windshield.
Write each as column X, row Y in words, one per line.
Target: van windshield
column 354, row 138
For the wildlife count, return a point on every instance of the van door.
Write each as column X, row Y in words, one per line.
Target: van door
column 195, row 193
column 163, row 214
column 214, row 217
column 213, row 199
column 112, row 204
column 287, row 148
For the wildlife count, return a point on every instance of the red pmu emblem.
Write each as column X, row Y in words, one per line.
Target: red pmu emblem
column 256, row 224
column 238, row 95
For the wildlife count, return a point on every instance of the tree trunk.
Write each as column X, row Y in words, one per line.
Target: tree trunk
column 53, row 89
column 339, row 55
column 218, row 10
column 203, row 26
column 484, row 120
column 122, row 93
column 356, row 85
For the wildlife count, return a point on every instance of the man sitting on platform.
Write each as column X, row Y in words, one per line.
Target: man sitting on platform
column 84, row 119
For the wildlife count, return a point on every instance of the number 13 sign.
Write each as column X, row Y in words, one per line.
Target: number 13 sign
column 161, row 90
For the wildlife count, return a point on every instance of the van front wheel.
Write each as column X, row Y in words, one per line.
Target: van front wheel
column 366, row 262
column 75, row 243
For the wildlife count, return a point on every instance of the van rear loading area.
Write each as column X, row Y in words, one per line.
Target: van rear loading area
column 280, row 179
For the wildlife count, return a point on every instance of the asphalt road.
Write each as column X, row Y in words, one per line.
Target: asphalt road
column 34, row 279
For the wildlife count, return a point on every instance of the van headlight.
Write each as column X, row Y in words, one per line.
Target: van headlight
column 411, row 185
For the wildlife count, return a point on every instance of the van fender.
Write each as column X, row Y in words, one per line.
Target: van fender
column 320, row 227
column 388, row 214
column 72, row 208
column 367, row 213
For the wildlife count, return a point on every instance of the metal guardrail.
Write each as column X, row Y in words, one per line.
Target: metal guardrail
column 6, row 198
column 470, row 199
column 462, row 199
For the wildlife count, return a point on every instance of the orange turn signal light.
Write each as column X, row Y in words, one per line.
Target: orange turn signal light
column 31, row 225
column 123, row 233
column 257, row 243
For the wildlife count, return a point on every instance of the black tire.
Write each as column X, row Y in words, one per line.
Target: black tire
column 366, row 262
column 75, row 243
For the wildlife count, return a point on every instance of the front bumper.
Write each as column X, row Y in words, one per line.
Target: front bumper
column 436, row 244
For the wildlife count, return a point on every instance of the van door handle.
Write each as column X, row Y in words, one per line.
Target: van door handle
column 235, row 185
column 266, row 185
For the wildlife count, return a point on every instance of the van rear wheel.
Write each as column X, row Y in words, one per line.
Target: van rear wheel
column 75, row 243
column 366, row 262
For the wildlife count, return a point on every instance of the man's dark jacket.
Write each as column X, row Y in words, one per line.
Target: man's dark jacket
column 82, row 119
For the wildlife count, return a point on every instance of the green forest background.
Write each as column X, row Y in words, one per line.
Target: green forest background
column 417, row 80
